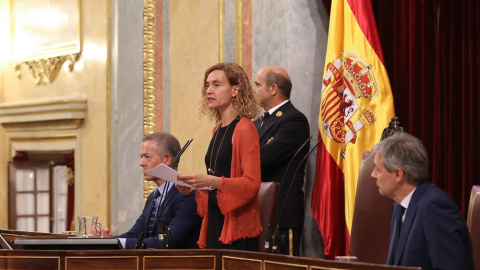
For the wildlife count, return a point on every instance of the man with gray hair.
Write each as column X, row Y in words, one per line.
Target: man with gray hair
column 169, row 218
column 427, row 228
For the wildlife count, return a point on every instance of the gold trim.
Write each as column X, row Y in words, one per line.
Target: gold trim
column 54, row 138
column 239, row 32
column 101, row 257
column 323, row 268
column 149, row 67
column 306, row 266
column 38, row 103
column 44, row 112
column 242, row 259
column 44, row 71
column 149, row 91
column 192, row 256
column 34, row 257
column 46, row 138
column 44, row 125
column 108, row 123
column 221, row 24
column 290, row 242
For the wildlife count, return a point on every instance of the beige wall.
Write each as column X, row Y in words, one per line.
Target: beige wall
column 194, row 47
column 89, row 78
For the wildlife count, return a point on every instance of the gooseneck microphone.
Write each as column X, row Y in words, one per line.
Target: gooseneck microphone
column 279, row 238
column 140, row 243
column 271, row 240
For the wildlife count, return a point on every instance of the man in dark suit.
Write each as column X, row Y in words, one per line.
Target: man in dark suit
column 282, row 130
column 427, row 228
column 166, row 208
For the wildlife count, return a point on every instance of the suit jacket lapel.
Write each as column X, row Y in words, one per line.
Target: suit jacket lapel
column 168, row 199
column 270, row 121
column 405, row 230
column 409, row 218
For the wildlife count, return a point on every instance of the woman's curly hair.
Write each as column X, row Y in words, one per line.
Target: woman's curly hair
column 246, row 105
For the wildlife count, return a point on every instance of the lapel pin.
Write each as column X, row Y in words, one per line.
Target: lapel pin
column 279, row 113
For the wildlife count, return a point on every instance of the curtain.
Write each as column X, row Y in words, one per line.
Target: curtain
column 431, row 50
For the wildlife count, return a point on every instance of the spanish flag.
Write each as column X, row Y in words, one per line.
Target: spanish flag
column 356, row 105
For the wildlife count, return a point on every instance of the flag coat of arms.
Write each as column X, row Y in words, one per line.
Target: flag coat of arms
column 356, row 105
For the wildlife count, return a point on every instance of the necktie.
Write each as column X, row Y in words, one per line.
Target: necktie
column 265, row 116
column 153, row 215
column 398, row 227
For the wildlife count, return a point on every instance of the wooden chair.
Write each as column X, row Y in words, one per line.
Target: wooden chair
column 370, row 233
column 267, row 196
column 473, row 223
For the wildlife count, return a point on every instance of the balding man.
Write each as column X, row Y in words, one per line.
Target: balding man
column 282, row 130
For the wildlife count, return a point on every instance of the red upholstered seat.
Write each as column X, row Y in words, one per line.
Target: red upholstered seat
column 473, row 223
column 370, row 231
column 267, row 196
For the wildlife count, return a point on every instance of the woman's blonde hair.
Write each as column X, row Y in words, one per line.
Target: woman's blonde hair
column 245, row 105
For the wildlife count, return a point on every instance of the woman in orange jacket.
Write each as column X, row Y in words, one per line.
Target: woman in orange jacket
column 229, row 208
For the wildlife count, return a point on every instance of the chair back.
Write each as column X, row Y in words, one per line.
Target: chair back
column 473, row 223
column 370, row 235
column 267, row 196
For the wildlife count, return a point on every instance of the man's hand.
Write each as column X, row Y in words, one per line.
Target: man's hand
column 106, row 233
column 269, row 140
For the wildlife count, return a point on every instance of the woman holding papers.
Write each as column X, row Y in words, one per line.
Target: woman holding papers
column 229, row 209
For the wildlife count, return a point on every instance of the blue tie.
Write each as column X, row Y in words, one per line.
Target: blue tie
column 398, row 228
column 153, row 215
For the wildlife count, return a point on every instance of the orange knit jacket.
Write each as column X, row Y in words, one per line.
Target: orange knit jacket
column 238, row 195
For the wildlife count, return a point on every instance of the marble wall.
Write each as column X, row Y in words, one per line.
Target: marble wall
column 126, row 123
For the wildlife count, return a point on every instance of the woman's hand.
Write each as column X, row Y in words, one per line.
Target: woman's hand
column 201, row 180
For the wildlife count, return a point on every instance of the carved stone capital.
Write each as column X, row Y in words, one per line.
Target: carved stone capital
column 44, row 71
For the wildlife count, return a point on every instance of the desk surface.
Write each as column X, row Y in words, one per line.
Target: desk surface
column 67, row 243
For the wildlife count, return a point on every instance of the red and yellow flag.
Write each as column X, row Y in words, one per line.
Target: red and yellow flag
column 356, row 105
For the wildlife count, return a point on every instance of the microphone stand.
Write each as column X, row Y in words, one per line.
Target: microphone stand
column 279, row 238
column 273, row 239
column 163, row 231
column 140, row 244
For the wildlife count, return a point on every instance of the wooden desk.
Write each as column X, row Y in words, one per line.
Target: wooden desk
column 213, row 259
column 169, row 259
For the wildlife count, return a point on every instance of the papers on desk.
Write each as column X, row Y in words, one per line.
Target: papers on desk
column 166, row 173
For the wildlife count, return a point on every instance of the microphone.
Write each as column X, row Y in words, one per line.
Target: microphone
column 139, row 243
column 163, row 233
column 268, row 237
column 281, row 237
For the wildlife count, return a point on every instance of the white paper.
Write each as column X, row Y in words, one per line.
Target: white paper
column 166, row 173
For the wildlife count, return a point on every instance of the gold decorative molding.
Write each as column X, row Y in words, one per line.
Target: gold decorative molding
column 221, row 38
column 44, row 71
column 35, row 113
column 239, row 32
column 149, row 70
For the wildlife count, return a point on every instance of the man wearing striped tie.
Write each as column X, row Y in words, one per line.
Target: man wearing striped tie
column 169, row 218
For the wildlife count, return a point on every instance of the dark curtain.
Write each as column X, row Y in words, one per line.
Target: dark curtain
column 70, row 163
column 431, row 50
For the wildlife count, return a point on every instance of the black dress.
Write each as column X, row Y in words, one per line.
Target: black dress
column 218, row 161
